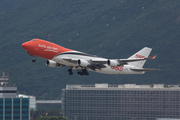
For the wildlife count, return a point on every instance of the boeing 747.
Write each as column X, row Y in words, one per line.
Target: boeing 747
column 58, row 56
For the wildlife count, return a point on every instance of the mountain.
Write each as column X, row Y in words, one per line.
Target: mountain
column 115, row 29
column 6, row 5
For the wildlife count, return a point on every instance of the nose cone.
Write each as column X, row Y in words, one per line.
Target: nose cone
column 24, row 45
column 28, row 45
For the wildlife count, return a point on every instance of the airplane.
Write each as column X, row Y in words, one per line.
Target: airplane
column 58, row 56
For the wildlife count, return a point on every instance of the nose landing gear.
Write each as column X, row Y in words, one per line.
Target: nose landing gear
column 34, row 59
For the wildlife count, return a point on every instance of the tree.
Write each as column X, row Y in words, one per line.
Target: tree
column 52, row 118
column 53, row 112
column 42, row 114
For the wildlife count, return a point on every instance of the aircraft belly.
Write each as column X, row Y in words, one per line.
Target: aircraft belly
column 118, row 70
column 109, row 70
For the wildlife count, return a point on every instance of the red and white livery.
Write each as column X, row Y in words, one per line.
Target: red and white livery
column 58, row 56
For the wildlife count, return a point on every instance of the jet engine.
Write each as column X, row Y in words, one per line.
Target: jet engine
column 83, row 63
column 112, row 63
column 51, row 63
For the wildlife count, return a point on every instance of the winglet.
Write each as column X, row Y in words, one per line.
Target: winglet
column 153, row 57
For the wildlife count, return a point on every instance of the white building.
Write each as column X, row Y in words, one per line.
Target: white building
column 32, row 101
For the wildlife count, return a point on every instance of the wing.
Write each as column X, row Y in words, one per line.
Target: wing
column 93, row 64
column 98, row 63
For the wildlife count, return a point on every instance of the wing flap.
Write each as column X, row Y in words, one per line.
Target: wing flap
column 99, row 61
column 96, row 66
column 94, row 63
column 72, row 60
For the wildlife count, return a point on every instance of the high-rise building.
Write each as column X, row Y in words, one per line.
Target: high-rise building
column 12, row 107
column 120, row 102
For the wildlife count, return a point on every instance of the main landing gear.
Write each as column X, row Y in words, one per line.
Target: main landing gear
column 80, row 72
column 83, row 72
column 70, row 71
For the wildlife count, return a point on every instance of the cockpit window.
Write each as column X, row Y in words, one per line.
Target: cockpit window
column 33, row 40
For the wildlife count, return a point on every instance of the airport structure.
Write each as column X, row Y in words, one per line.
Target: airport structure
column 121, row 102
column 12, row 106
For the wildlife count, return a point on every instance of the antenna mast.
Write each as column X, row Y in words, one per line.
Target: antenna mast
column 4, row 79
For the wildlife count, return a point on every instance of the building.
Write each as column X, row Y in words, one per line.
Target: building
column 49, row 104
column 166, row 119
column 12, row 107
column 120, row 102
column 32, row 101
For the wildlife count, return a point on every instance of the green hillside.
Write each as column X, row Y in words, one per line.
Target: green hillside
column 6, row 5
column 115, row 29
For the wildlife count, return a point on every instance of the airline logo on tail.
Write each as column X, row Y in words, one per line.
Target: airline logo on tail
column 139, row 56
column 58, row 56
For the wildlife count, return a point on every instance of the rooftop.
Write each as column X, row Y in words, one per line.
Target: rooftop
column 120, row 86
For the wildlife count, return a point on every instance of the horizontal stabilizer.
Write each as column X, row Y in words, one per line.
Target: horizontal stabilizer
column 129, row 60
column 145, row 69
column 153, row 57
